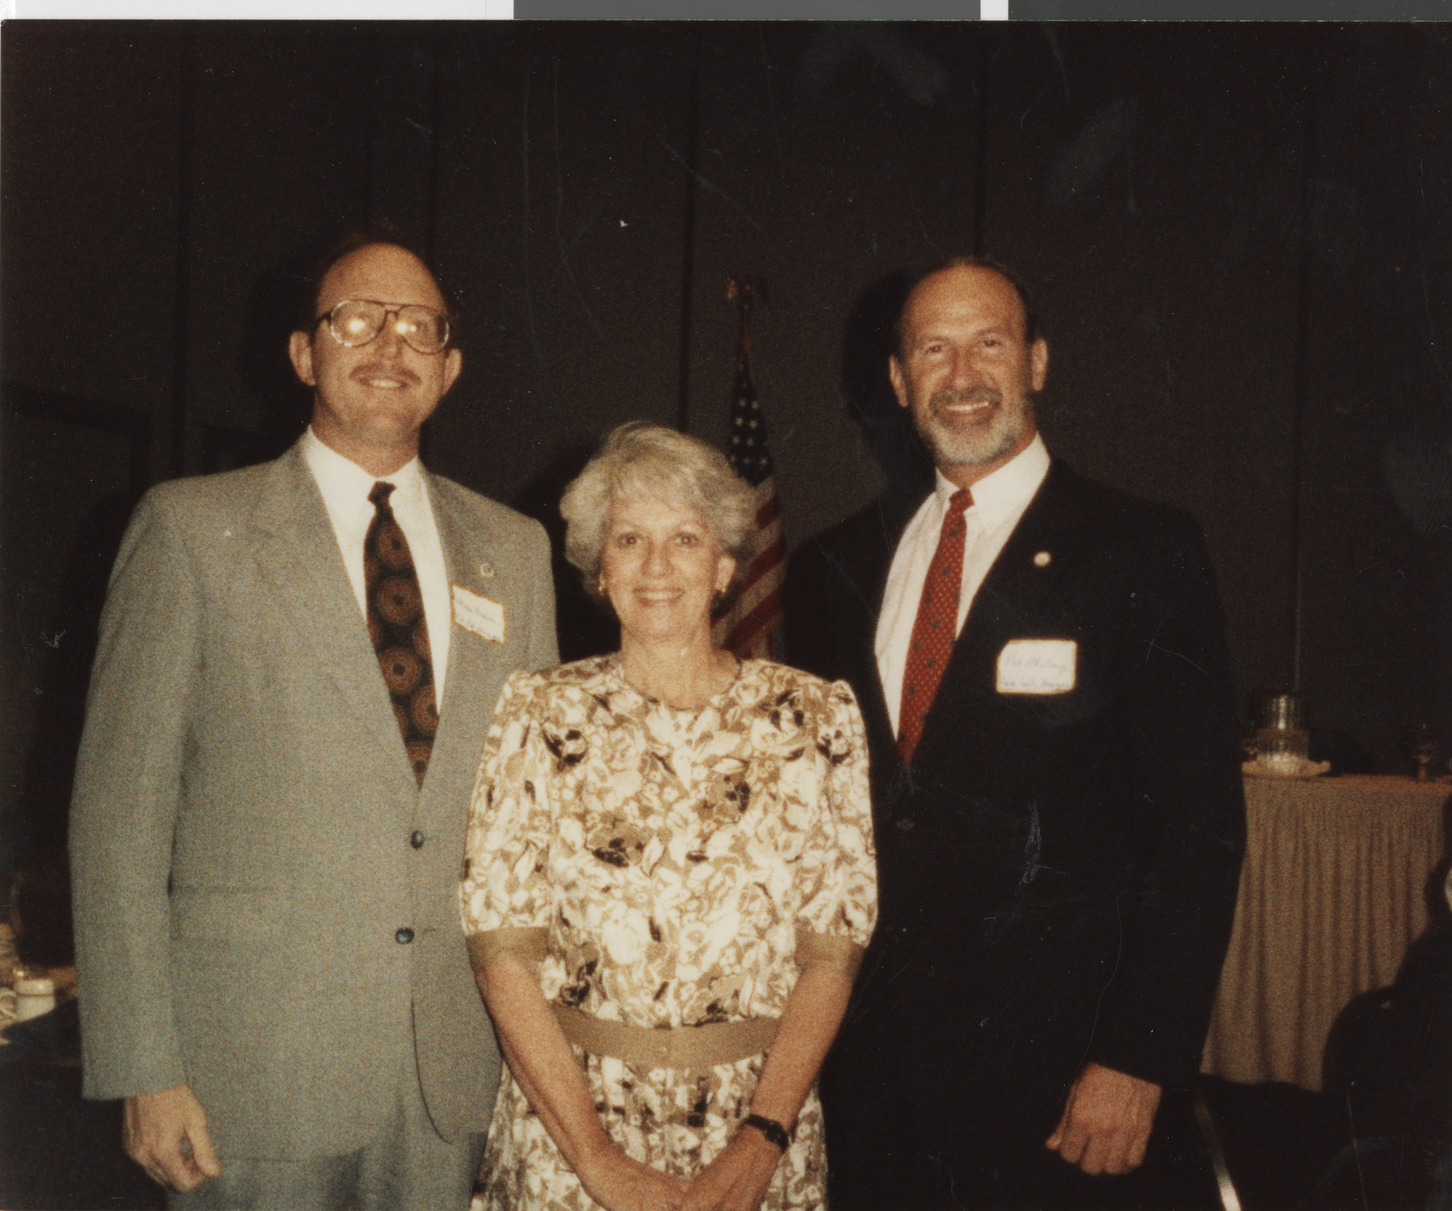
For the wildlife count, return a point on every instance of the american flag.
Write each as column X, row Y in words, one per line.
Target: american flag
column 749, row 626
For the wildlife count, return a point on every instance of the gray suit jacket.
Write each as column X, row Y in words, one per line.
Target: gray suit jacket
column 265, row 900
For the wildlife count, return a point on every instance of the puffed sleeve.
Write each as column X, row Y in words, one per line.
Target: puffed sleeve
column 504, row 899
column 838, row 864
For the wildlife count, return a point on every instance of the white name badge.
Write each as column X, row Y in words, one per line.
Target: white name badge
column 1037, row 666
column 482, row 615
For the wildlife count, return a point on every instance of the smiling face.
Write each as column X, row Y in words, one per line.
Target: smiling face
column 661, row 567
column 967, row 371
column 370, row 401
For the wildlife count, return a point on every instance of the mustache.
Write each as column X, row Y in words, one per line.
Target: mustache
column 385, row 370
column 949, row 396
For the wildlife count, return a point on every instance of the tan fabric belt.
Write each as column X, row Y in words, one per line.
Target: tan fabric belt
column 688, row 1047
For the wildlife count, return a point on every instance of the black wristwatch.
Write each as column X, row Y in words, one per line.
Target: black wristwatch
column 773, row 1130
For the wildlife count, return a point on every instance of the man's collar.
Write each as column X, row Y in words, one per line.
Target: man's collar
column 1005, row 489
column 337, row 472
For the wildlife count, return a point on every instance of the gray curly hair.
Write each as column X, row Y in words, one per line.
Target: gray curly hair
column 639, row 459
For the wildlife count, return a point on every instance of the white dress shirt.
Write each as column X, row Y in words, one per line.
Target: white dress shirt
column 345, row 487
column 999, row 501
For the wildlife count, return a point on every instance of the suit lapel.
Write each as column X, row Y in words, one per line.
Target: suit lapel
column 470, row 554
column 1019, row 572
column 298, row 556
column 896, row 512
column 859, row 554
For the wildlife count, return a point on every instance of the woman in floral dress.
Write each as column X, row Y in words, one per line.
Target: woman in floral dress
column 670, row 876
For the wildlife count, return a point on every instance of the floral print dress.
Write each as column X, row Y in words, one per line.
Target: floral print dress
column 675, row 861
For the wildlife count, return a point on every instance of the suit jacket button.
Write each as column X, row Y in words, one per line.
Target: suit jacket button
column 417, row 839
column 404, row 936
column 905, row 825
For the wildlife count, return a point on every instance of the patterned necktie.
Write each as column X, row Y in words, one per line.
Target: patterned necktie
column 399, row 630
column 934, row 627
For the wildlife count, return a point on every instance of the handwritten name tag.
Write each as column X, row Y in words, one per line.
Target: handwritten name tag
column 1037, row 666
column 482, row 615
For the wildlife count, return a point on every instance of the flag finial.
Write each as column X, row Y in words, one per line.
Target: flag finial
column 746, row 292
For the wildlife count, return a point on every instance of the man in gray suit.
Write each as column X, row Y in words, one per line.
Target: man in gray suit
column 297, row 666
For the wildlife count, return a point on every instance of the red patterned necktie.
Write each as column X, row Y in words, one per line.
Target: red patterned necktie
column 399, row 630
column 934, row 627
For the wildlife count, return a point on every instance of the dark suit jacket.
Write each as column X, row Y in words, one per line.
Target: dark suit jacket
column 1058, row 872
column 266, row 900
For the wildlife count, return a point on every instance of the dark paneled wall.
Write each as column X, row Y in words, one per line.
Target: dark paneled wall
column 1241, row 238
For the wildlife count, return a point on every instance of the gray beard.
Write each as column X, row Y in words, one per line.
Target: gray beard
column 950, row 448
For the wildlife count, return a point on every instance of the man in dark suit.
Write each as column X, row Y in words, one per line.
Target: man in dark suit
column 1059, row 818
column 297, row 665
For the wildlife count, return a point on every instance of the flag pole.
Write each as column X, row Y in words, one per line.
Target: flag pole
column 688, row 242
column 750, row 625
column 744, row 292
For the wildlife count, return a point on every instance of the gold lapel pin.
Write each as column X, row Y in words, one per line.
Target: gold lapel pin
column 1043, row 559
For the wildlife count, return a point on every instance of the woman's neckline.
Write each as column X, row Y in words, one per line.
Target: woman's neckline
column 695, row 708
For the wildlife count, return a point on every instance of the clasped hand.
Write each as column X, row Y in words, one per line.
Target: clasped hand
column 736, row 1180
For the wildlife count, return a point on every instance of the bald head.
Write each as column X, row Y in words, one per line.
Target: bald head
column 967, row 369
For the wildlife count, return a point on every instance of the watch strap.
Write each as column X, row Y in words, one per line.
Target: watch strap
column 774, row 1131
